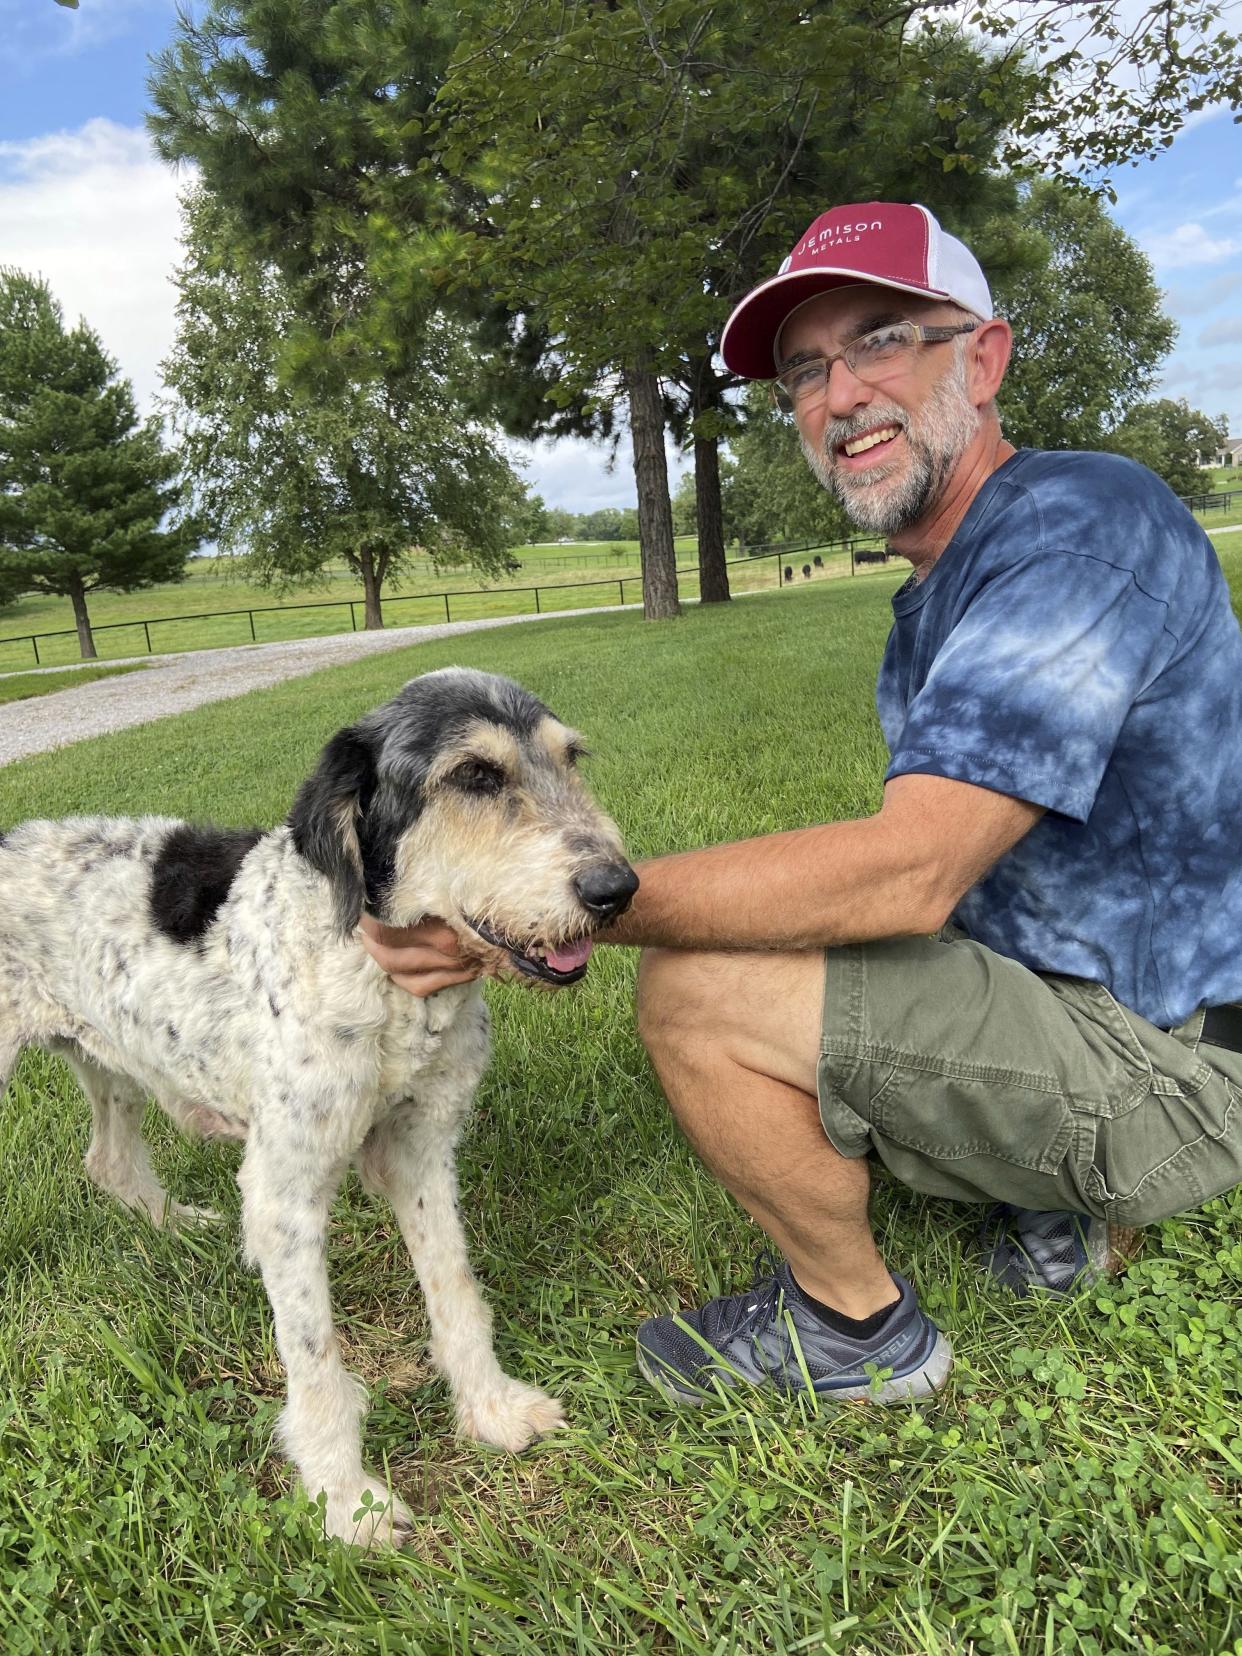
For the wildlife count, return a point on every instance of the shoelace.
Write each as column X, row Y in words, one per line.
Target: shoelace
column 723, row 1318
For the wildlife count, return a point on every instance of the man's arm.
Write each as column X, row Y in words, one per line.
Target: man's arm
column 899, row 873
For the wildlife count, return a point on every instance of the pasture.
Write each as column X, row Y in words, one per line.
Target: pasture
column 181, row 614
column 1074, row 1490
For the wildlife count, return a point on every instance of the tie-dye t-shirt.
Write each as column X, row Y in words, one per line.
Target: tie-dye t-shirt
column 1074, row 646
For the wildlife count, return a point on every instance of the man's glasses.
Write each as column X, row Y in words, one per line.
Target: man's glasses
column 872, row 357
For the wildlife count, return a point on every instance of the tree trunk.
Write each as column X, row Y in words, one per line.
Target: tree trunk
column 374, row 615
column 655, row 511
column 86, row 641
column 713, row 575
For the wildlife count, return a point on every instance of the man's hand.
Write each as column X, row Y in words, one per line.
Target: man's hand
column 421, row 958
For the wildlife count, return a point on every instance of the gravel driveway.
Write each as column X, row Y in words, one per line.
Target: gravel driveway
column 175, row 683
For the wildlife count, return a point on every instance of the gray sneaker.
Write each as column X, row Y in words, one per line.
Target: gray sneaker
column 1027, row 1249
column 770, row 1336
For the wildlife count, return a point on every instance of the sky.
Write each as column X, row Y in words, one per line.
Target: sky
column 85, row 203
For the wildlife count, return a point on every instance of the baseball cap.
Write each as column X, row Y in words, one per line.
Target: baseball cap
column 895, row 244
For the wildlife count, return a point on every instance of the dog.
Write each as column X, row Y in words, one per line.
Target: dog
column 222, row 971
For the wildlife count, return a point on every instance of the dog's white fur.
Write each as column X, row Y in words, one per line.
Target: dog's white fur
column 275, row 1025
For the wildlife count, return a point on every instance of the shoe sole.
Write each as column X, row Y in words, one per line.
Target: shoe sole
column 924, row 1380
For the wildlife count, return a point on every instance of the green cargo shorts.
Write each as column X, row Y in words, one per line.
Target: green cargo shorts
column 971, row 1076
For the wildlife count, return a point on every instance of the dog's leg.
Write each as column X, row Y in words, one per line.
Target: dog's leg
column 409, row 1158
column 117, row 1159
column 285, row 1204
column 10, row 1052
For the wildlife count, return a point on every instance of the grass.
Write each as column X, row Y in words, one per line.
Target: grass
column 1076, row 1489
column 24, row 686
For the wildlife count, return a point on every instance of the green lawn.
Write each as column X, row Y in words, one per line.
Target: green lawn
column 24, row 686
column 1076, row 1489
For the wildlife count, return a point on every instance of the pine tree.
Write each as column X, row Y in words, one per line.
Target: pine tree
column 85, row 486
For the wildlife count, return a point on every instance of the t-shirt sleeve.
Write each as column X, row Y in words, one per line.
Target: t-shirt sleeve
column 1028, row 693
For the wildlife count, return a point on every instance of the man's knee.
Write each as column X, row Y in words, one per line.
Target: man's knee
column 680, row 992
column 761, row 1010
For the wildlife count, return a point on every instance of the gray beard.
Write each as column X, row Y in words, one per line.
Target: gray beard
column 886, row 500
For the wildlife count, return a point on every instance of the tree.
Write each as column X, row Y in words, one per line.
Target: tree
column 302, row 459
column 561, row 525
column 1089, row 330
column 604, row 177
column 85, row 486
column 1173, row 439
column 685, row 506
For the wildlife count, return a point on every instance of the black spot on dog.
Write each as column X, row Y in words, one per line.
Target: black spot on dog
column 192, row 875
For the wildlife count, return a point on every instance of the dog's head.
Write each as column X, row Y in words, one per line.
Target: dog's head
column 460, row 798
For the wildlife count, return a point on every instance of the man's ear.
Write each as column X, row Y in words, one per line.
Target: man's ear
column 990, row 347
column 324, row 820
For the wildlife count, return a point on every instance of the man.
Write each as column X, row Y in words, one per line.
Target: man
column 1015, row 982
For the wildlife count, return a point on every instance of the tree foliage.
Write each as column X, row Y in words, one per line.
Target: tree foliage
column 301, row 459
column 1090, row 332
column 1173, row 439
column 644, row 164
column 595, row 182
column 85, row 486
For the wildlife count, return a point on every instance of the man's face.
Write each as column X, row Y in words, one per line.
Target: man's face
column 886, row 450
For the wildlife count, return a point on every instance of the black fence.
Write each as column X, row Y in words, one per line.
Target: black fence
column 778, row 550
column 1213, row 502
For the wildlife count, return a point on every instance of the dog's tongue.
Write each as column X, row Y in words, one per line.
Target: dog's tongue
column 569, row 959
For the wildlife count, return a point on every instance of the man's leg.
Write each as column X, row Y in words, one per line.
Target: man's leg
column 734, row 1039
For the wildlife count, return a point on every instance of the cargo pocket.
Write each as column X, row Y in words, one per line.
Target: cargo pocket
column 1171, row 1153
column 975, row 1132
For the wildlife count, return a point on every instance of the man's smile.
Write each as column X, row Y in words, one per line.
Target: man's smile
column 860, row 452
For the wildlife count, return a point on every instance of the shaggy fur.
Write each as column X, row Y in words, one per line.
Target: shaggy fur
column 222, row 972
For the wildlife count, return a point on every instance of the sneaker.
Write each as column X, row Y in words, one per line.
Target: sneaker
column 770, row 1336
column 1026, row 1249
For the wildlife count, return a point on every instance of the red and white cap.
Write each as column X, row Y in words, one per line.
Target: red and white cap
column 894, row 244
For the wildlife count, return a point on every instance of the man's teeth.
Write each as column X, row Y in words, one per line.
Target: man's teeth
column 859, row 445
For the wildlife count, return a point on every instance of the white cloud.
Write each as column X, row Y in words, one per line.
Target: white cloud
column 95, row 213
column 1193, row 299
column 1226, row 332
column 1188, row 244
column 574, row 474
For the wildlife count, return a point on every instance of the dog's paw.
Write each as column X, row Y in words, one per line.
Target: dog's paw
column 183, row 1217
column 368, row 1516
column 510, row 1416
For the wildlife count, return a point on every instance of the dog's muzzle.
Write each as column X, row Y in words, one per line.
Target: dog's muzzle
column 605, row 891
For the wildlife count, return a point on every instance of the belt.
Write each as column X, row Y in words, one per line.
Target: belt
column 1222, row 1027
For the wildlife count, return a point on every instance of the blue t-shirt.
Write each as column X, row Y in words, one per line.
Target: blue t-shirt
column 1074, row 646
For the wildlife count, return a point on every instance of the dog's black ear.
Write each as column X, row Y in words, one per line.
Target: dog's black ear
column 324, row 819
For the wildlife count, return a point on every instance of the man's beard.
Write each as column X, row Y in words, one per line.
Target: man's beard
column 886, row 500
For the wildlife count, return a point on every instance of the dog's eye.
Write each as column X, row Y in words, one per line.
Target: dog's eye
column 478, row 777
column 576, row 751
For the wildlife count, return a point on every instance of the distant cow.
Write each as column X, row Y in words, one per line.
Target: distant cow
column 806, row 572
column 789, row 572
column 818, row 561
column 865, row 556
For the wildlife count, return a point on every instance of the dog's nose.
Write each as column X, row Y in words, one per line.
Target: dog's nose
column 606, row 889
